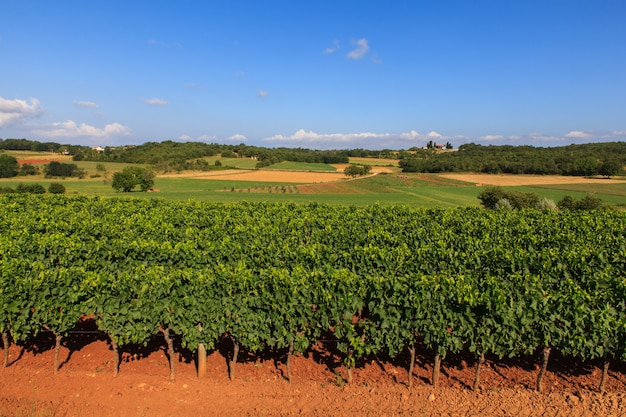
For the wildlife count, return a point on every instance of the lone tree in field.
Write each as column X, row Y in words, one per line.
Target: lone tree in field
column 354, row 170
column 131, row 177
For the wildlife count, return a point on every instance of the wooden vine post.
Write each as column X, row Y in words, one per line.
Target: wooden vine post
column 201, row 360
column 201, row 357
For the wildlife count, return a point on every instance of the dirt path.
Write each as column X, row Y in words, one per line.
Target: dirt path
column 85, row 386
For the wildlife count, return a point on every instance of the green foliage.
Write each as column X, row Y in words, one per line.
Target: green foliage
column 377, row 279
column 61, row 169
column 30, row 188
column 496, row 197
column 56, row 188
column 8, row 166
column 28, row 169
column 354, row 170
column 610, row 168
column 589, row 202
column 131, row 177
column 583, row 160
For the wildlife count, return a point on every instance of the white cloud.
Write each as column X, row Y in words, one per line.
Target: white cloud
column 209, row 138
column 89, row 104
column 155, row 101
column 69, row 129
column 12, row 111
column 491, row 138
column 263, row 93
column 361, row 49
column 333, row 48
column 237, row 138
column 434, row 135
column 576, row 134
column 355, row 140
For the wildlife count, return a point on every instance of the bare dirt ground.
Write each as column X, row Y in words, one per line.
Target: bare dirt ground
column 520, row 180
column 85, row 386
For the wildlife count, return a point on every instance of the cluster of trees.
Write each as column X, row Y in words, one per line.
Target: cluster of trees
column 354, row 170
column 9, row 167
column 177, row 156
column 53, row 188
column 63, row 170
column 131, row 177
column 607, row 159
column 497, row 198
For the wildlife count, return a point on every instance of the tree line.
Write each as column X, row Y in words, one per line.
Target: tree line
column 606, row 159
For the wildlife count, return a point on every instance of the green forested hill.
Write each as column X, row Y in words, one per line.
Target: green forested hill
column 590, row 159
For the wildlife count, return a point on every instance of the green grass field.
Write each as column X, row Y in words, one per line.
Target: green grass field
column 418, row 190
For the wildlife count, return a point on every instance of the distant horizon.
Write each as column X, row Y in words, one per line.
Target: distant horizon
column 301, row 147
column 323, row 75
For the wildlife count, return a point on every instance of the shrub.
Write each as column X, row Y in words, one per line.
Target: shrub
column 56, row 188
column 30, row 188
column 546, row 204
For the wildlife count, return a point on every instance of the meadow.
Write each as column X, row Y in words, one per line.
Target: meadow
column 322, row 183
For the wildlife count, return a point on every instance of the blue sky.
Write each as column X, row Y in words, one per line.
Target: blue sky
column 316, row 74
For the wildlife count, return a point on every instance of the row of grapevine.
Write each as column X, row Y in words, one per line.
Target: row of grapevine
column 380, row 279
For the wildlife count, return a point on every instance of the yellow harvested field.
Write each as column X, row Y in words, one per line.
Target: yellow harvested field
column 263, row 176
column 520, row 180
column 375, row 169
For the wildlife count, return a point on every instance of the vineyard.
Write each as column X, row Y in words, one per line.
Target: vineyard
column 282, row 276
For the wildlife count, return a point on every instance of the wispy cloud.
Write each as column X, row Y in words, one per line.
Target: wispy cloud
column 70, row 129
column 262, row 93
column 576, row 134
column 237, row 138
column 334, row 48
column 194, row 86
column 89, row 104
column 164, row 44
column 362, row 48
column 155, row 101
column 361, row 139
column 207, row 138
column 12, row 111
column 201, row 138
column 491, row 138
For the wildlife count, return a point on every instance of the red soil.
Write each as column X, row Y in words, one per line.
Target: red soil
column 85, row 385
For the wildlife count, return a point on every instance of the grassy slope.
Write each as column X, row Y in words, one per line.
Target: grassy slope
column 424, row 190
